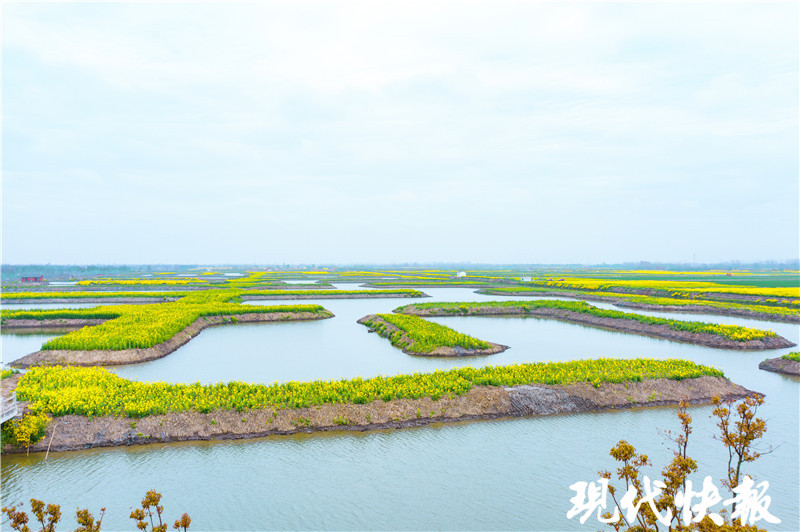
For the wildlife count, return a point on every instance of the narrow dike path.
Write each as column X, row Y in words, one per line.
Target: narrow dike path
column 74, row 432
column 615, row 324
column 135, row 356
column 442, row 351
column 621, row 302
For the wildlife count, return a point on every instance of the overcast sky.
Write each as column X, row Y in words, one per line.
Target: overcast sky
column 393, row 131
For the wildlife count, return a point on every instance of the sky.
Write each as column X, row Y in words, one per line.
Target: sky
column 399, row 131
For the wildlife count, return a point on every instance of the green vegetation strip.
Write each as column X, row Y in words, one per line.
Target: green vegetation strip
column 793, row 356
column 428, row 282
column 93, row 294
column 675, row 288
column 778, row 307
column 235, row 292
column 6, row 373
column 425, row 336
column 731, row 332
column 98, row 392
column 143, row 326
column 400, row 291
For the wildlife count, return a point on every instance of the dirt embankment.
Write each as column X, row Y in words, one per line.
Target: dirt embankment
column 362, row 294
column 703, row 309
column 56, row 323
column 367, row 294
column 67, row 300
column 689, row 309
column 135, row 356
column 615, row 324
column 481, row 402
column 476, row 284
column 781, row 365
column 443, row 351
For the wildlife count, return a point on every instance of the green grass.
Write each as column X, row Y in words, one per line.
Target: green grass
column 793, row 356
column 731, row 332
column 98, row 392
column 425, row 336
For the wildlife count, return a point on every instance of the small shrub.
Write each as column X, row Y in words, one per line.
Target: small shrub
column 26, row 431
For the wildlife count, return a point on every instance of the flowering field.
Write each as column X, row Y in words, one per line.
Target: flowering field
column 236, row 292
column 672, row 287
column 425, row 335
column 781, row 307
column 92, row 294
column 142, row 326
column 89, row 282
column 96, row 391
column 731, row 332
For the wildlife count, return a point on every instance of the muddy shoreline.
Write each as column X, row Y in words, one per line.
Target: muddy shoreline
column 135, row 356
column 709, row 296
column 614, row 324
column 624, row 303
column 68, row 300
column 444, row 351
column 481, row 402
column 145, row 300
column 781, row 365
column 700, row 309
column 368, row 294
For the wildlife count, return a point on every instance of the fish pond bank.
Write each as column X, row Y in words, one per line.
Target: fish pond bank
column 402, row 339
column 134, row 356
column 74, row 432
column 627, row 324
column 781, row 365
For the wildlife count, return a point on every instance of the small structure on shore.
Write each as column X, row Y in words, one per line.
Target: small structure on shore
column 461, row 274
column 8, row 407
column 32, row 279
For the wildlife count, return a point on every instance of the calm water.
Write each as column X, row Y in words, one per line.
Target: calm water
column 507, row 474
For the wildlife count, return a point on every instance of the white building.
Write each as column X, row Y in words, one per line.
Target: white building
column 461, row 274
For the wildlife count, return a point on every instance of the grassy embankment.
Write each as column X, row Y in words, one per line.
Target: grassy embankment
column 770, row 308
column 421, row 336
column 143, row 326
column 670, row 288
column 96, row 391
column 235, row 292
column 731, row 332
